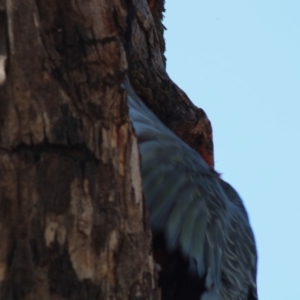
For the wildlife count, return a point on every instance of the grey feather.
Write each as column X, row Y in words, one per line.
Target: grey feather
column 199, row 213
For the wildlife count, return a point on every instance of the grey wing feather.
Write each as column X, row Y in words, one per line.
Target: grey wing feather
column 199, row 213
column 193, row 220
column 240, row 257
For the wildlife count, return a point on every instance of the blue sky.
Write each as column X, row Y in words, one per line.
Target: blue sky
column 240, row 62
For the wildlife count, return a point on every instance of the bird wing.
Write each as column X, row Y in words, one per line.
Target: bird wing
column 199, row 214
column 183, row 195
column 240, row 257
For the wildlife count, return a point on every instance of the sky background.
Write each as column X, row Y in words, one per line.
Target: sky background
column 240, row 62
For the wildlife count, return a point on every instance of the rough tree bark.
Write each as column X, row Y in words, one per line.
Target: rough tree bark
column 73, row 224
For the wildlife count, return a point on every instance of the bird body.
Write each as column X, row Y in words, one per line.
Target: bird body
column 197, row 219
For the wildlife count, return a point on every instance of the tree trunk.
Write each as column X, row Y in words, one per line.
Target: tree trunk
column 72, row 216
column 73, row 224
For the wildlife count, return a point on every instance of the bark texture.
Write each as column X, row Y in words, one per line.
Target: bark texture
column 72, row 217
column 73, row 224
column 147, row 66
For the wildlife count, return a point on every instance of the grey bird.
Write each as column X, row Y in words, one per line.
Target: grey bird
column 198, row 220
